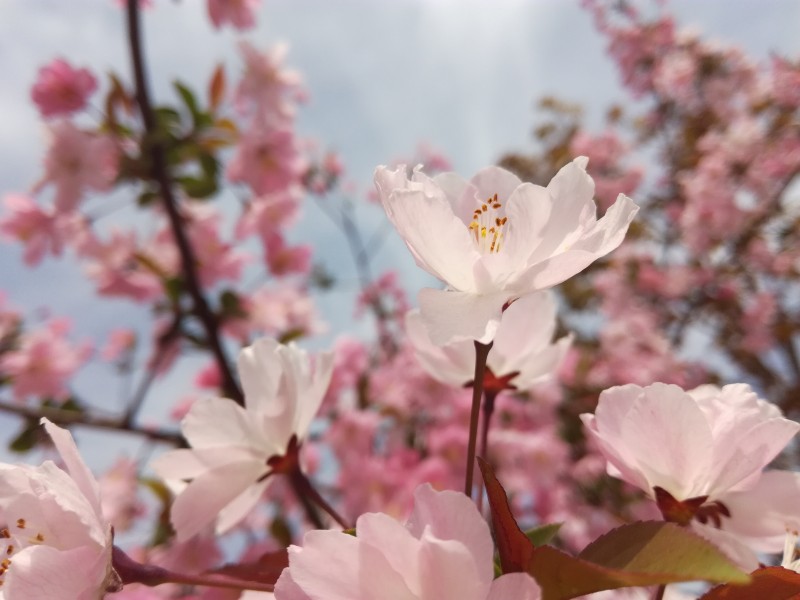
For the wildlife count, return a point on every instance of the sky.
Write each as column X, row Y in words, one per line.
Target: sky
column 382, row 76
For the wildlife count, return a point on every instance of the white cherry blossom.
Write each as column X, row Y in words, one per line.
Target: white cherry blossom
column 55, row 542
column 523, row 351
column 226, row 466
column 493, row 239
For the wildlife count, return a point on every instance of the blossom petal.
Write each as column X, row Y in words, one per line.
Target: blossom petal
column 453, row 364
column 451, row 315
column 449, row 515
column 214, row 422
column 336, row 566
column 672, row 441
column 438, row 239
column 761, row 515
column 260, row 374
column 241, row 506
column 382, row 531
column 77, row 469
column 449, row 572
column 519, row 586
column 43, row 573
column 202, row 500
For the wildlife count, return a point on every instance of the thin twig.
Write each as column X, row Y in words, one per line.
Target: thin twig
column 161, row 174
column 64, row 417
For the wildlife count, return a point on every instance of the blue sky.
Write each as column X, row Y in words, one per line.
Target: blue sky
column 383, row 75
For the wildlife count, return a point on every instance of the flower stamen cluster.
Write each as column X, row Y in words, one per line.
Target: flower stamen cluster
column 485, row 229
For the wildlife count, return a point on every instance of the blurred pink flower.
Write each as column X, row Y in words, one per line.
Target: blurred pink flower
column 57, row 543
column 61, row 90
column 40, row 231
column 118, row 494
column 266, row 86
column 706, row 442
column 43, row 362
column 443, row 551
column 76, row 162
column 239, row 13
column 267, row 160
column 119, row 344
column 230, row 444
column 283, row 259
column 494, row 239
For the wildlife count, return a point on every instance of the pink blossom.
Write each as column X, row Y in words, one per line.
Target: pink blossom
column 523, row 347
column 122, row 267
column 61, row 90
column 266, row 86
column 41, row 231
column 76, row 162
column 283, row 259
column 121, row 343
column 278, row 311
column 239, row 13
column 267, row 215
column 43, row 362
column 118, row 492
column 267, row 160
column 495, row 239
column 230, row 445
column 706, row 442
column 443, row 551
column 216, row 259
column 58, row 544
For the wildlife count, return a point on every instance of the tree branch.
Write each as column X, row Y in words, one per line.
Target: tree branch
column 161, row 175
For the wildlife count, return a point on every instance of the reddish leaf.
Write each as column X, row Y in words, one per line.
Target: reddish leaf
column 216, row 88
column 266, row 569
column 772, row 583
column 638, row 554
column 513, row 546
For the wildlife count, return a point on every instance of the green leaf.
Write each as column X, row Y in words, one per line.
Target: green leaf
column 769, row 583
column 539, row 536
column 27, row 439
column 198, row 187
column 637, row 554
column 188, row 97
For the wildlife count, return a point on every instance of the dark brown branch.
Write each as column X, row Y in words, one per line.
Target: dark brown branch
column 161, row 175
column 59, row 416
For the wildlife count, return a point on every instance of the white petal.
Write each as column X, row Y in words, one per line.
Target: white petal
column 241, row 506
column 451, row 315
column 202, row 500
column 453, row 364
column 219, row 422
column 440, row 242
column 260, row 373
column 77, row 469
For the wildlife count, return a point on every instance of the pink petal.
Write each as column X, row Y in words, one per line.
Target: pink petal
column 219, row 422
column 450, row 515
column 519, row 586
column 44, row 573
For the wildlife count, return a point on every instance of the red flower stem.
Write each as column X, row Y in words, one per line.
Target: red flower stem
column 306, row 492
column 481, row 354
column 488, row 410
column 131, row 571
